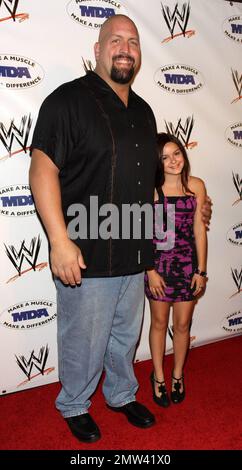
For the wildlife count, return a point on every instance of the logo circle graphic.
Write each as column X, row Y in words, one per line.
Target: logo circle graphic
column 234, row 234
column 179, row 79
column 16, row 201
column 232, row 28
column 92, row 14
column 28, row 315
column 19, row 72
column 233, row 134
column 232, row 323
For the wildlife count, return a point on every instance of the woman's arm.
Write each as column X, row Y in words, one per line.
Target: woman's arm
column 156, row 283
column 200, row 233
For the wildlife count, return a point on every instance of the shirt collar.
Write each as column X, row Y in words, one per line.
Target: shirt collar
column 102, row 88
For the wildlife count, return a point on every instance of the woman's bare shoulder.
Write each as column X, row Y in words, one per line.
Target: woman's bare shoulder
column 196, row 184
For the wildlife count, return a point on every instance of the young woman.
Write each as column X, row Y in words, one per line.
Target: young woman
column 179, row 276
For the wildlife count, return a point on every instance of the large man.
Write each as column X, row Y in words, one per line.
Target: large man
column 95, row 137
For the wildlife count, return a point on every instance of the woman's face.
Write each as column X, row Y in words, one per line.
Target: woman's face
column 172, row 159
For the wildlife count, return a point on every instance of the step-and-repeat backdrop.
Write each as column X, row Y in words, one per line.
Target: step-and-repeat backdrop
column 191, row 76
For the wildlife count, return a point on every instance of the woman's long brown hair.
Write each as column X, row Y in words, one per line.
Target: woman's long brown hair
column 162, row 140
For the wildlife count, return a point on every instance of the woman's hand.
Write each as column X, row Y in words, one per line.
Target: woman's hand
column 156, row 283
column 199, row 282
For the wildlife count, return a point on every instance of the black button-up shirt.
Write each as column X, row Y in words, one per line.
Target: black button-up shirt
column 105, row 151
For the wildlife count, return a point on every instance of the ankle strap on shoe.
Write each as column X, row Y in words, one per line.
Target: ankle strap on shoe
column 157, row 381
column 178, row 380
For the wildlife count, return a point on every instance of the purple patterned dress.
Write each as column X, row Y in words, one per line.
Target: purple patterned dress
column 176, row 265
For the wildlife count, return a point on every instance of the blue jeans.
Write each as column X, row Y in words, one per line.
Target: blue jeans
column 98, row 327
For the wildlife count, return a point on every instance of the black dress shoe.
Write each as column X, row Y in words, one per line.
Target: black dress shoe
column 83, row 428
column 137, row 414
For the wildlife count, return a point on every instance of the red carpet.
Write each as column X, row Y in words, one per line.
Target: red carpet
column 209, row 418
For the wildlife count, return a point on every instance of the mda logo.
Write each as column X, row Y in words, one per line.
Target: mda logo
column 16, row 201
column 232, row 28
column 18, row 72
column 234, row 235
column 179, row 79
column 28, row 315
column 233, row 134
column 93, row 13
column 232, row 323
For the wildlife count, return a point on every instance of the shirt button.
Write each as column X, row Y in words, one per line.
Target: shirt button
column 139, row 220
column 139, row 182
column 132, row 125
column 138, row 163
column 136, row 145
column 139, row 202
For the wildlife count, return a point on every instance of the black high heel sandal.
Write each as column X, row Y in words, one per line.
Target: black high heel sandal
column 163, row 400
column 176, row 395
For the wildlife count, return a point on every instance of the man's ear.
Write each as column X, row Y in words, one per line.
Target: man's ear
column 96, row 50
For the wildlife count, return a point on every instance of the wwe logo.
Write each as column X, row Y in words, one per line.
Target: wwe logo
column 30, row 255
column 237, row 277
column 182, row 132
column 11, row 6
column 39, row 363
column 87, row 65
column 238, row 185
column 15, row 134
column 177, row 17
column 238, row 84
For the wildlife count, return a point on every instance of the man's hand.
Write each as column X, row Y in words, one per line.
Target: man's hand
column 207, row 211
column 66, row 262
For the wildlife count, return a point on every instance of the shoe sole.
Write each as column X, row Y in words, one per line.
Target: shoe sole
column 145, row 425
column 89, row 440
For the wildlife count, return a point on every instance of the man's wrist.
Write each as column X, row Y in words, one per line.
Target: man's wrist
column 58, row 240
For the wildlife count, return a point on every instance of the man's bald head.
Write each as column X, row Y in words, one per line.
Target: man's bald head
column 110, row 22
column 117, row 51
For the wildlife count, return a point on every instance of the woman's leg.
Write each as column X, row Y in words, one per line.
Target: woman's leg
column 157, row 337
column 182, row 315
